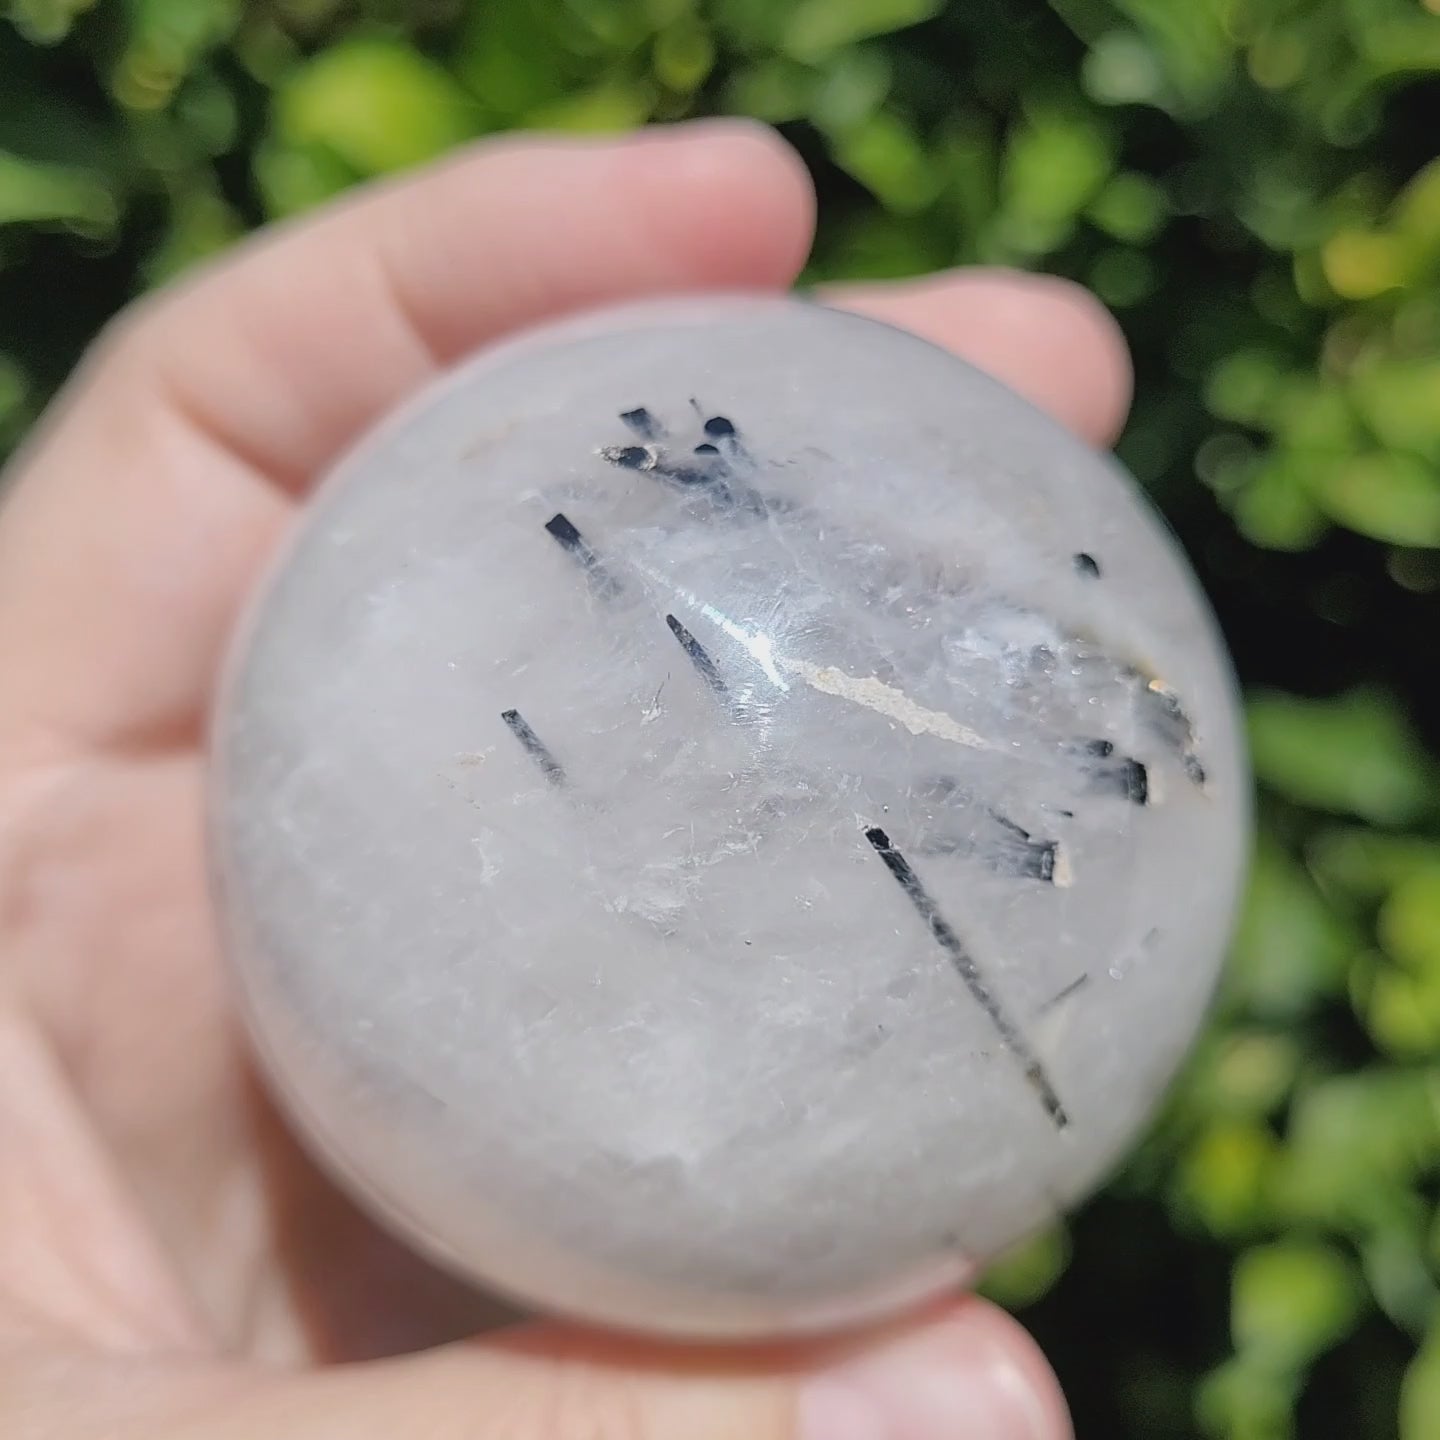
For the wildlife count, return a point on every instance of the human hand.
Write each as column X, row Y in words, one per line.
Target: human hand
column 170, row 1263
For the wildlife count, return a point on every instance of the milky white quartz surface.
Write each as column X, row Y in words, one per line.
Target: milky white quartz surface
column 725, row 818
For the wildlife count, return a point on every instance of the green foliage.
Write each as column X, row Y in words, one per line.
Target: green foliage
column 1252, row 185
column 364, row 107
column 1355, row 754
column 1291, row 1301
column 1028, row 1271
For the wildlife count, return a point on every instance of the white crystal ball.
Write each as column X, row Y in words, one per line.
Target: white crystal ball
column 725, row 818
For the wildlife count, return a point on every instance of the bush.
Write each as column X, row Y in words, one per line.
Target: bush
column 1250, row 185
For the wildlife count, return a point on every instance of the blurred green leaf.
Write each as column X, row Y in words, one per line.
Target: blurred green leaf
column 1244, row 1073
column 55, row 194
column 1055, row 164
column 1130, row 207
column 1401, row 1003
column 1122, row 68
column 886, row 156
column 201, row 225
column 1406, row 43
column 374, row 104
column 776, row 89
column 1274, row 508
column 1356, row 754
column 516, row 55
column 684, row 56
column 1369, row 863
column 294, row 179
column 1402, row 1011
column 1409, row 922
column 1314, row 420
column 852, row 87
column 1420, row 1397
column 596, row 27
column 46, row 22
column 1029, row 1271
column 1245, row 1399
column 1191, row 42
column 752, row 26
column 1360, row 265
column 609, row 108
column 165, row 39
column 205, row 109
column 815, row 28
column 1394, row 1264
column 1385, row 495
column 1355, row 1146
column 264, row 50
column 1290, row 948
column 1416, row 212
column 1292, row 1300
column 1245, row 385
column 1400, row 401
column 1221, row 1178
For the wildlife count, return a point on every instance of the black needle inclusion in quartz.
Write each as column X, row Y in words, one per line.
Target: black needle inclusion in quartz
column 969, row 972
column 535, row 747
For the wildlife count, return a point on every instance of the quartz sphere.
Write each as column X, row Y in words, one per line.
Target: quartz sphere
column 725, row 818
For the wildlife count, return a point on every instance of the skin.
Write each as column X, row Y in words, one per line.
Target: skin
column 170, row 1263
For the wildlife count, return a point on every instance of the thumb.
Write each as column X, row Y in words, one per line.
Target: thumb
column 969, row 1373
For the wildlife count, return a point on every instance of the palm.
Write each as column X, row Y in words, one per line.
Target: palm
column 134, row 995
column 157, row 1203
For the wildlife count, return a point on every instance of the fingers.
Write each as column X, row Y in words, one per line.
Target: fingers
column 284, row 353
column 971, row 1372
column 141, row 515
column 76, row 1261
column 1047, row 338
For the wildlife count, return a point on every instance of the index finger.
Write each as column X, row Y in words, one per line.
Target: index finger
column 157, row 485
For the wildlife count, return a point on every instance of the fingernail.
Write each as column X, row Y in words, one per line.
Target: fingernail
column 975, row 1376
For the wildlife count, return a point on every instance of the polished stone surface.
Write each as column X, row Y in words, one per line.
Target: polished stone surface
column 725, row 818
